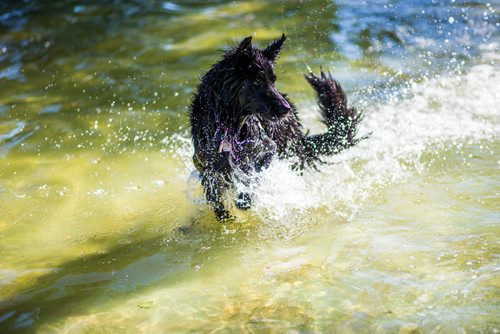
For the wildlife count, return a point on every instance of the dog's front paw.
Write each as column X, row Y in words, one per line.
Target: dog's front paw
column 243, row 201
column 223, row 215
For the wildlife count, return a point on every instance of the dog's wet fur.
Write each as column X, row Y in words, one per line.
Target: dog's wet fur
column 240, row 122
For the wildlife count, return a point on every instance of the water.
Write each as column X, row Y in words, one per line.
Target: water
column 103, row 230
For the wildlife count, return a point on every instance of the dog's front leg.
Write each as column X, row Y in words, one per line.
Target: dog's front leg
column 243, row 200
column 215, row 187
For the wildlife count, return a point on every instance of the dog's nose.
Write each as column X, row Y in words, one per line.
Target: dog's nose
column 284, row 110
column 284, row 107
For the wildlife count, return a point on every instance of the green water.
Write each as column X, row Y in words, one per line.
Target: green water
column 103, row 228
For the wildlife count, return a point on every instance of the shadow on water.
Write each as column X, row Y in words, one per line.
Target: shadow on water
column 124, row 270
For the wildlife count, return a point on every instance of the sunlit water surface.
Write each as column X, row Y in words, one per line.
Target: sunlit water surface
column 103, row 227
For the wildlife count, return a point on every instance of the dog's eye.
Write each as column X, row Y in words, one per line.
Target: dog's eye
column 258, row 81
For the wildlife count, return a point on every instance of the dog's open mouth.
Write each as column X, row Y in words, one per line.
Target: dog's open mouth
column 269, row 117
column 274, row 116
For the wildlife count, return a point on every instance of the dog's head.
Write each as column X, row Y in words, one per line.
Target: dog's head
column 255, row 78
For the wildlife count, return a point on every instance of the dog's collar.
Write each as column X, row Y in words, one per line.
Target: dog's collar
column 225, row 143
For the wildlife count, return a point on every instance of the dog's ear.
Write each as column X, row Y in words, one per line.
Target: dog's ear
column 245, row 45
column 272, row 51
column 243, row 54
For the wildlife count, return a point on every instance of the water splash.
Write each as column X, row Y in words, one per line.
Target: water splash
column 435, row 113
column 427, row 116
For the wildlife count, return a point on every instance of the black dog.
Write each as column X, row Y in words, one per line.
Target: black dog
column 240, row 121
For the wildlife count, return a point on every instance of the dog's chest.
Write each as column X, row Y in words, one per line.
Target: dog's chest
column 250, row 148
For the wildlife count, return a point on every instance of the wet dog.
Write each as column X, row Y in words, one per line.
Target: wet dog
column 240, row 122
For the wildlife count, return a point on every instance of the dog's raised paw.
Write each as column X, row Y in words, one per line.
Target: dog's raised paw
column 243, row 201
